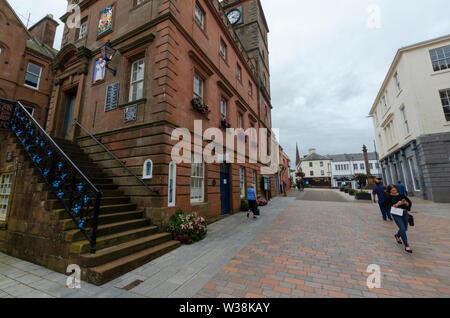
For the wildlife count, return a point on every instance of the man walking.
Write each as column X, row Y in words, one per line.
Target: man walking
column 401, row 188
column 379, row 191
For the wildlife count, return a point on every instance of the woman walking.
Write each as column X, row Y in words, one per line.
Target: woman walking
column 251, row 197
column 399, row 205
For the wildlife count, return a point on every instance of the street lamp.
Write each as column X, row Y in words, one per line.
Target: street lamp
column 108, row 52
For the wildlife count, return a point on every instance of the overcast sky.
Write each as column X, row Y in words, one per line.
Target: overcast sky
column 327, row 62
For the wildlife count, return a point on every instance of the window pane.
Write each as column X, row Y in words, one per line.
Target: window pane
column 139, row 90
column 31, row 80
column 433, row 55
column 140, row 70
column 447, row 51
column 445, row 102
column 34, row 69
column 436, row 66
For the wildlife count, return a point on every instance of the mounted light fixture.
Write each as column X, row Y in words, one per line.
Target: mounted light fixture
column 108, row 52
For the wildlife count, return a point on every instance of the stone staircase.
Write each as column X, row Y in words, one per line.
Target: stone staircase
column 125, row 238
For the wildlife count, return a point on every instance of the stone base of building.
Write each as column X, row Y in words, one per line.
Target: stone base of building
column 423, row 165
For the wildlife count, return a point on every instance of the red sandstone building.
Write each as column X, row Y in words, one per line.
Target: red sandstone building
column 168, row 52
column 114, row 115
column 25, row 56
column 26, row 76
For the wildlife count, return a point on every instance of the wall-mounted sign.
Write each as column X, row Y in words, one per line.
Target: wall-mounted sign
column 112, row 97
column 130, row 113
column 105, row 23
column 99, row 70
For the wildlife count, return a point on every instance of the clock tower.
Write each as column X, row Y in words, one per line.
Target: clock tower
column 249, row 22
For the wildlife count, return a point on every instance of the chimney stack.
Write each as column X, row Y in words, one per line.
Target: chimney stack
column 44, row 31
column 312, row 150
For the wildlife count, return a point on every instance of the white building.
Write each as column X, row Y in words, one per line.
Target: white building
column 317, row 169
column 411, row 117
column 344, row 167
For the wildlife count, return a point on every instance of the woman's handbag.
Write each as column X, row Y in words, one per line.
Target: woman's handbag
column 411, row 220
column 257, row 210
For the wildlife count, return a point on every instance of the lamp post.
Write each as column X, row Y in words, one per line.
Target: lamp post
column 108, row 52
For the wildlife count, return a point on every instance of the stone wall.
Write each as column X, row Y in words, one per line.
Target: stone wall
column 434, row 154
column 30, row 232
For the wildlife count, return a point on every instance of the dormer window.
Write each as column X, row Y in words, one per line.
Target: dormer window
column 148, row 170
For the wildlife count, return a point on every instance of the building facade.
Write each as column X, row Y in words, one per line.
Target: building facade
column 317, row 169
column 283, row 173
column 26, row 76
column 344, row 167
column 168, row 54
column 132, row 81
column 411, row 117
column 25, row 57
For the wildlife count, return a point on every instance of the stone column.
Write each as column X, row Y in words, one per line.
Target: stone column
column 370, row 181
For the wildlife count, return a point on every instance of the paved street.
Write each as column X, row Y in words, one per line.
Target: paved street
column 298, row 248
column 321, row 195
column 322, row 249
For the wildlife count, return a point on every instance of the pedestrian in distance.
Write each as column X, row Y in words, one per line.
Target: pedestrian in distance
column 401, row 188
column 379, row 191
column 251, row 197
column 399, row 205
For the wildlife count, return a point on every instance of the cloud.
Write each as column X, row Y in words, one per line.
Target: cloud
column 327, row 65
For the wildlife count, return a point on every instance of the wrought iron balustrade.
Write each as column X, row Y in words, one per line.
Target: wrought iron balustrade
column 78, row 196
column 122, row 163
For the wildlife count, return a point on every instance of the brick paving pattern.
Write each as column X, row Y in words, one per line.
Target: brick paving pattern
column 296, row 249
column 322, row 249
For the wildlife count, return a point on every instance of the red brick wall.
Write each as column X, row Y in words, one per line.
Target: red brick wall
column 179, row 48
column 14, row 62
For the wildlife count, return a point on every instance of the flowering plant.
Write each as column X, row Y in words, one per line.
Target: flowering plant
column 225, row 123
column 198, row 105
column 262, row 202
column 187, row 228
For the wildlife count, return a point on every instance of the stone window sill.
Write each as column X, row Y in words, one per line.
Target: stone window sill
column 440, row 72
column 136, row 102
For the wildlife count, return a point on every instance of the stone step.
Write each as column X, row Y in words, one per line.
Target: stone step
column 103, row 187
column 56, row 204
column 105, row 194
column 104, row 273
column 83, row 247
column 121, row 250
column 101, row 179
column 68, row 224
column 104, row 209
column 108, row 229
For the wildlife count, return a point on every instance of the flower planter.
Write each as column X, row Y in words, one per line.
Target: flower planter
column 363, row 196
column 203, row 109
column 224, row 123
column 186, row 228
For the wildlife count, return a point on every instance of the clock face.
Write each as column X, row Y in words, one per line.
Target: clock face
column 234, row 16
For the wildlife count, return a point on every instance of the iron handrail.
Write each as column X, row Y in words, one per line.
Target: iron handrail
column 113, row 155
column 59, row 172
